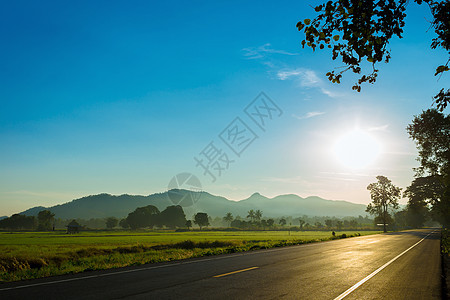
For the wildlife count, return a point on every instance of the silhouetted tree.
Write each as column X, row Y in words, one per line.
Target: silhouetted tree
column 339, row 224
column 201, row 219
column 111, row 222
column 188, row 224
column 251, row 215
column 258, row 215
column 329, row 223
column 417, row 214
column 18, row 221
column 282, row 221
column 431, row 132
column 400, row 220
column 142, row 217
column 359, row 31
column 173, row 216
column 123, row 223
column 45, row 220
column 302, row 222
column 236, row 223
column 228, row 218
column 419, row 192
column 270, row 222
column 384, row 195
column 353, row 223
column 264, row 224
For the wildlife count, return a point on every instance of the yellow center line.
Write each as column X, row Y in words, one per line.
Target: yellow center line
column 234, row 272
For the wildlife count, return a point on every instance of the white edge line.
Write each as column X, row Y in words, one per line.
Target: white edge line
column 347, row 292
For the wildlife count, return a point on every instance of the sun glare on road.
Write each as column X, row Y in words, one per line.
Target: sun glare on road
column 356, row 149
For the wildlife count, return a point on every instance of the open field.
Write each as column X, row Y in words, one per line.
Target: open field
column 25, row 255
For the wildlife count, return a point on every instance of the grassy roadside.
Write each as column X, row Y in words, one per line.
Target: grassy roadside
column 35, row 255
column 445, row 255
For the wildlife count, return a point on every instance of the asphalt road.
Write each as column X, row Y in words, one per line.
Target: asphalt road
column 403, row 265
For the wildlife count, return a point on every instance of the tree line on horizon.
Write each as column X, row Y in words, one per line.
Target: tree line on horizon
column 173, row 217
column 43, row 222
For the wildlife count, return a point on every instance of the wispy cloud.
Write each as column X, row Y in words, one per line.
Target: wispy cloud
column 306, row 78
column 310, row 114
column 262, row 51
column 379, row 128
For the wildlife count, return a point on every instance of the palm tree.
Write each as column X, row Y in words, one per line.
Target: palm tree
column 228, row 218
column 251, row 215
column 258, row 215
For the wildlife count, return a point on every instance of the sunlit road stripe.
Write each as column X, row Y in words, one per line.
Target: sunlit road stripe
column 234, row 272
column 347, row 292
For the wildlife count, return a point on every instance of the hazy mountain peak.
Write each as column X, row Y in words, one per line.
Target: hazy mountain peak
column 288, row 196
column 256, row 197
column 106, row 205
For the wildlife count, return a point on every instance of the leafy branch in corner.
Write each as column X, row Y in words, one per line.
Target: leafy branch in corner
column 360, row 30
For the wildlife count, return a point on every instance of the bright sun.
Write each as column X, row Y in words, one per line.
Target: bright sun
column 356, row 149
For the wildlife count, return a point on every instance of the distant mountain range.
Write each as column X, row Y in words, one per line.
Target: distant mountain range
column 106, row 205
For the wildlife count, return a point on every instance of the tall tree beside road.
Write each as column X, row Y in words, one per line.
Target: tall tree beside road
column 384, row 195
column 431, row 132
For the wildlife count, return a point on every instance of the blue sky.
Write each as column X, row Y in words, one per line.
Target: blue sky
column 118, row 98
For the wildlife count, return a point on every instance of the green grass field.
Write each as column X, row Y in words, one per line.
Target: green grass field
column 26, row 255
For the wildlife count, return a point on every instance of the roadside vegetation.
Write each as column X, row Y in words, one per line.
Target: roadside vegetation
column 445, row 252
column 28, row 255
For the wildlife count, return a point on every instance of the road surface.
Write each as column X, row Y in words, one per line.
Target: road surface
column 403, row 265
